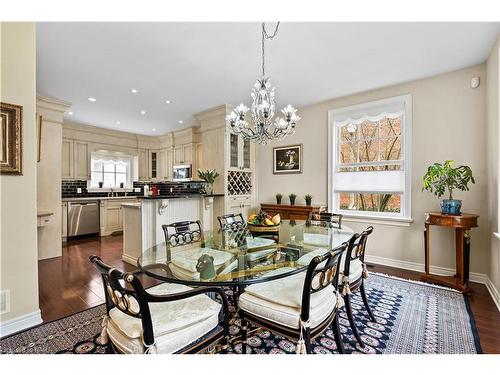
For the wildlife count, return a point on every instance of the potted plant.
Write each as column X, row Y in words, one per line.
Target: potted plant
column 278, row 198
column 209, row 177
column 441, row 178
column 292, row 198
column 100, row 184
column 308, row 198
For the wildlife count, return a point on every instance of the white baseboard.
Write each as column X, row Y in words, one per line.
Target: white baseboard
column 20, row 323
column 419, row 267
column 493, row 292
column 130, row 260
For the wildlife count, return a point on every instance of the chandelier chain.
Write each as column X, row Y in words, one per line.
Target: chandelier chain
column 265, row 36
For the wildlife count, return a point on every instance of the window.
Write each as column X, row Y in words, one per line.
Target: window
column 369, row 159
column 110, row 170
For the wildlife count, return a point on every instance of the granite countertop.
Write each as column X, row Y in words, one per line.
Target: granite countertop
column 176, row 196
column 81, row 199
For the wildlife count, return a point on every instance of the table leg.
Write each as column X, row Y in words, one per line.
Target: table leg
column 459, row 249
column 426, row 249
column 466, row 256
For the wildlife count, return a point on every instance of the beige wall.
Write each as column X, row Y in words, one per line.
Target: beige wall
column 449, row 122
column 49, row 175
column 492, row 106
column 18, row 251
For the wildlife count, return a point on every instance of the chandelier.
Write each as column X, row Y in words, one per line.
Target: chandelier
column 262, row 110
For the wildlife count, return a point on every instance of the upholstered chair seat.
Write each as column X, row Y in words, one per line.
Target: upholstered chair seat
column 176, row 324
column 279, row 301
column 255, row 242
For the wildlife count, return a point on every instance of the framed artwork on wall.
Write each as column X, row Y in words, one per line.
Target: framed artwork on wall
column 287, row 159
column 11, row 144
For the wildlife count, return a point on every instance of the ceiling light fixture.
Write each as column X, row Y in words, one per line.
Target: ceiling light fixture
column 70, row 113
column 264, row 130
column 118, row 123
column 134, row 91
column 181, row 122
column 154, row 129
column 168, row 101
column 91, row 99
column 143, row 112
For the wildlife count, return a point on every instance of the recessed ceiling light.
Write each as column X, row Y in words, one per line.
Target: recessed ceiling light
column 91, row 99
column 134, row 91
column 70, row 113
column 181, row 122
column 118, row 122
column 143, row 112
column 168, row 101
column 154, row 129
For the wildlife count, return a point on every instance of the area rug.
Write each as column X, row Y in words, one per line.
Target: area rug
column 412, row 318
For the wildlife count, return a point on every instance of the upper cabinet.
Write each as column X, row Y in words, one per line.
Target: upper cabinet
column 144, row 172
column 75, row 160
column 240, row 153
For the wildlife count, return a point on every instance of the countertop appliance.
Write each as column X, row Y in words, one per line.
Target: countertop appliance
column 182, row 172
column 83, row 218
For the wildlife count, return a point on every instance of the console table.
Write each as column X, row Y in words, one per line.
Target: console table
column 462, row 224
column 295, row 212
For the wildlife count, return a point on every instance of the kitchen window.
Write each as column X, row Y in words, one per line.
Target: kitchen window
column 369, row 159
column 110, row 170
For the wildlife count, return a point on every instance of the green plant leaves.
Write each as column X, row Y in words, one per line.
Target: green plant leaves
column 445, row 177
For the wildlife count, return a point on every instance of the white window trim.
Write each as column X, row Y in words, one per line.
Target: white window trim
column 404, row 218
column 130, row 172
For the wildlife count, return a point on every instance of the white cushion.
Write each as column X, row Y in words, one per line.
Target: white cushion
column 166, row 343
column 305, row 259
column 355, row 269
column 170, row 318
column 188, row 258
column 339, row 236
column 280, row 301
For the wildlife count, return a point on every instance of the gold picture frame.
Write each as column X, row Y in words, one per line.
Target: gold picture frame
column 11, row 142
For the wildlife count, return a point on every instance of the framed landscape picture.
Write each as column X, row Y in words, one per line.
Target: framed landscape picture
column 287, row 159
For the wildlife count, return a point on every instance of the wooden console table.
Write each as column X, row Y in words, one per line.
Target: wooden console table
column 295, row 212
column 462, row 225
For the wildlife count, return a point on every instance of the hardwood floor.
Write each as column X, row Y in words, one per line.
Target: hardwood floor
column 70, row 284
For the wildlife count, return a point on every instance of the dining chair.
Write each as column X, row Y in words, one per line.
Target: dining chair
column 167, row 318
column 324, row 218
column 301, row 306
column 183, row 233
column 353, row 273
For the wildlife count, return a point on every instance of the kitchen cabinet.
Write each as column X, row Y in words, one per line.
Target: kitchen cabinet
column 67, row 159
column 240, row 204
column 241, row 153
column 111, row 215
column 183, row 154
column 64, row 221
column 198, row 160
column 144, row 173
column 81, row 160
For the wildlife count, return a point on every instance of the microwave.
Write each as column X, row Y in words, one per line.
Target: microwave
column 183, row 172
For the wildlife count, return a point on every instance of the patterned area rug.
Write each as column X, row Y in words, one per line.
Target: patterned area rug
column 412, row 318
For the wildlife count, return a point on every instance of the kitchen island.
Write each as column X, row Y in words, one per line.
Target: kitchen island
column 143, row 220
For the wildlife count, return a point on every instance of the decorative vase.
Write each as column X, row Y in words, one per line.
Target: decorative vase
column 308, row 202
column 451, row 206
column 292, row 201
column 101, row 184
column 278, row 200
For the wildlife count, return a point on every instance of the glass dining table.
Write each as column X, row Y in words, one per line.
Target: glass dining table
column 229, row 258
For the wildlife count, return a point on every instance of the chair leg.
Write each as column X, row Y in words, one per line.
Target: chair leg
column 244, row 327
column 338, row 335
column 365, row 302
column 307, row 341
column 350, row 316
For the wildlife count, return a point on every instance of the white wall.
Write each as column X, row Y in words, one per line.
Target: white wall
column 493, row 134
column 449, row 122
column 18, row 236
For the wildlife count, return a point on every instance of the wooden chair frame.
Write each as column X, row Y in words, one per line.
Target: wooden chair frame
column 119, row 295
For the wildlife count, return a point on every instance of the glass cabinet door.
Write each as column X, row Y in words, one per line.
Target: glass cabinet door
column 246, row 154
column 233, row 156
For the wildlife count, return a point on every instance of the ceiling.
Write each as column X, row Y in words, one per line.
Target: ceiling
column 202, row 65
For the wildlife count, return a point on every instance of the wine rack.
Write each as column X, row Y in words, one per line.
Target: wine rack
column 239, row 183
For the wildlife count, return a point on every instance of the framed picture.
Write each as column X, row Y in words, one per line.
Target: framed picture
column 11, row 144
column 287, row 159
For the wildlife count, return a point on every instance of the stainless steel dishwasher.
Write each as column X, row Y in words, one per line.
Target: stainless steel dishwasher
column 83, row 218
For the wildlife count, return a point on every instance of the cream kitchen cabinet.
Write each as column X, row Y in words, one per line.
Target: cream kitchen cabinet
column 184, row 154
column 111, row 215
column 198, row 160
column 144, row 170
column 240, row 152
column 240, row 204
column 75, row 160
column 64, row 221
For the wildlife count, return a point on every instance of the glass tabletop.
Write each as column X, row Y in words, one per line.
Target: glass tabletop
column 235, row 257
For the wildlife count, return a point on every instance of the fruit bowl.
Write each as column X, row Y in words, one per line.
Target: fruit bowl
column 263, row 222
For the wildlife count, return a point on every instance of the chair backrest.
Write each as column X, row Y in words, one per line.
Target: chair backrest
column 321, row 272
column 125, row 292
column 183, row 233
column 325, row 218
column 357, row 248
column 234, row 230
